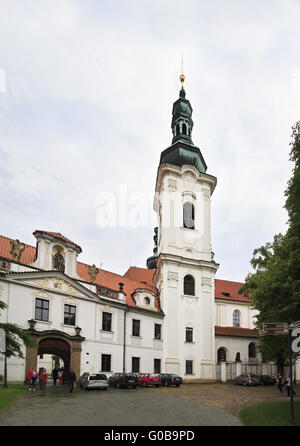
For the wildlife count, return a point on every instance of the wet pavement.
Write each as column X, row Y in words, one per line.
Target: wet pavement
column 56, row 406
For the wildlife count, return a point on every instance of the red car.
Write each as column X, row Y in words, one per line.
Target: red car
column 149, row 379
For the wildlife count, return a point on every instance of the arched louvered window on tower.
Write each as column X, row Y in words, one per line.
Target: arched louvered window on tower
column 188, row 215
column 189, row 285
column 177, row 129
column 184, row 129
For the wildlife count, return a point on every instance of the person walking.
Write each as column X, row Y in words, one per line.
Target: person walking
column 32, row 377
column 72, row 380
column 280, row 383
column 43, row 378
column 54, row 375
column 288, row 384
column 59, row 376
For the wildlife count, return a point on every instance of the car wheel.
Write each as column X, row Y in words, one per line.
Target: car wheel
column 156, row 385
column 262, row 384
column 118, row 386
column 134, row 387
column 144, row 384
column 244, row 384
column 177, row 385
column 166, row 384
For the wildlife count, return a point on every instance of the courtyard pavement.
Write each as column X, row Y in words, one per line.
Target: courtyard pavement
column 114, row 407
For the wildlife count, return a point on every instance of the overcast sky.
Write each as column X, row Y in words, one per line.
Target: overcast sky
column 86, row 95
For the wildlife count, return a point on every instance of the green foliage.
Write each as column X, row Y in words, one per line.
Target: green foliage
column 15, row 337
column 270, row 414
column 8, row 396
column 275, row 284
column 56, row 360
column 14, row 334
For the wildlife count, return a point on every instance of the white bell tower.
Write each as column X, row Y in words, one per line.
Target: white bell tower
column 185, row 269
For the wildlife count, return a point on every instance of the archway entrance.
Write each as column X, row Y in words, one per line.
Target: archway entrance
column 55, row 347
column 56, row 343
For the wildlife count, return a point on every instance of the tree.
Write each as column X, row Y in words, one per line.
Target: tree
column 275, row 285
column 14, row 336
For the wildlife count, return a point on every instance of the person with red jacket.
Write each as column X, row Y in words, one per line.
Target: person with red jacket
column 32, row 378
column 43, row 378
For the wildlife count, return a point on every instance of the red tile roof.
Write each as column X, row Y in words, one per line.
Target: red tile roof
column 27, row 256
column 141, row 275
column 112, row 280
column 227, row 290
column 58, row 236
column 237, row 331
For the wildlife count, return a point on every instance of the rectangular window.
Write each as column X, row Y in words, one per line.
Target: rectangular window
column 106, row 321
column 157, row 365
column 42, row 310
column 136, row 365
column 188, row 334
column 69, row 314
column 157, row 331
column 105, row 363
column 135, row 327
column 189, row 367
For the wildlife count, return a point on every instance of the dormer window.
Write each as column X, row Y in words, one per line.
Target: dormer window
column 147, row 301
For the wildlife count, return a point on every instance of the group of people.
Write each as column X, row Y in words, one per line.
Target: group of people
column 284, row 385
column 33, row 376
column 58, row 374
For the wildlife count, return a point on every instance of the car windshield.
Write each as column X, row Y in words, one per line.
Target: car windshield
column 97, row 377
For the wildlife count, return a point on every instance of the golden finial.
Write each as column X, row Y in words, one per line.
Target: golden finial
column 182, row 76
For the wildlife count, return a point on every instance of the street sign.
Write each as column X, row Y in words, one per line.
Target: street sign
column 273, row 331
column 296, row 324
column 276, row 325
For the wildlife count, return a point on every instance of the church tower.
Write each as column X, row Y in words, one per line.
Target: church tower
column 183, row 259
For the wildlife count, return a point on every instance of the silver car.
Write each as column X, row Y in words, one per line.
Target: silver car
column 247, row 380
column 93, row 381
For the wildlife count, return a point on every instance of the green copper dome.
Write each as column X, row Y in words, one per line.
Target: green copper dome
column 182, row 151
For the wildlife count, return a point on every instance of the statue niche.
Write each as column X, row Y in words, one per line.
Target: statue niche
column 58, row 259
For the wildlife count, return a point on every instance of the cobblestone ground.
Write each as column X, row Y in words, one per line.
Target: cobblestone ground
column 188, row 405
column 115, row 407
column 227, row 397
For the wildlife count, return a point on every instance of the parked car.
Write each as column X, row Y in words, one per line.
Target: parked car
column 267, row 380
column 93, row 381
column 170, row 379
column 123, row 380
column 247, row 380
column 149, row 379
